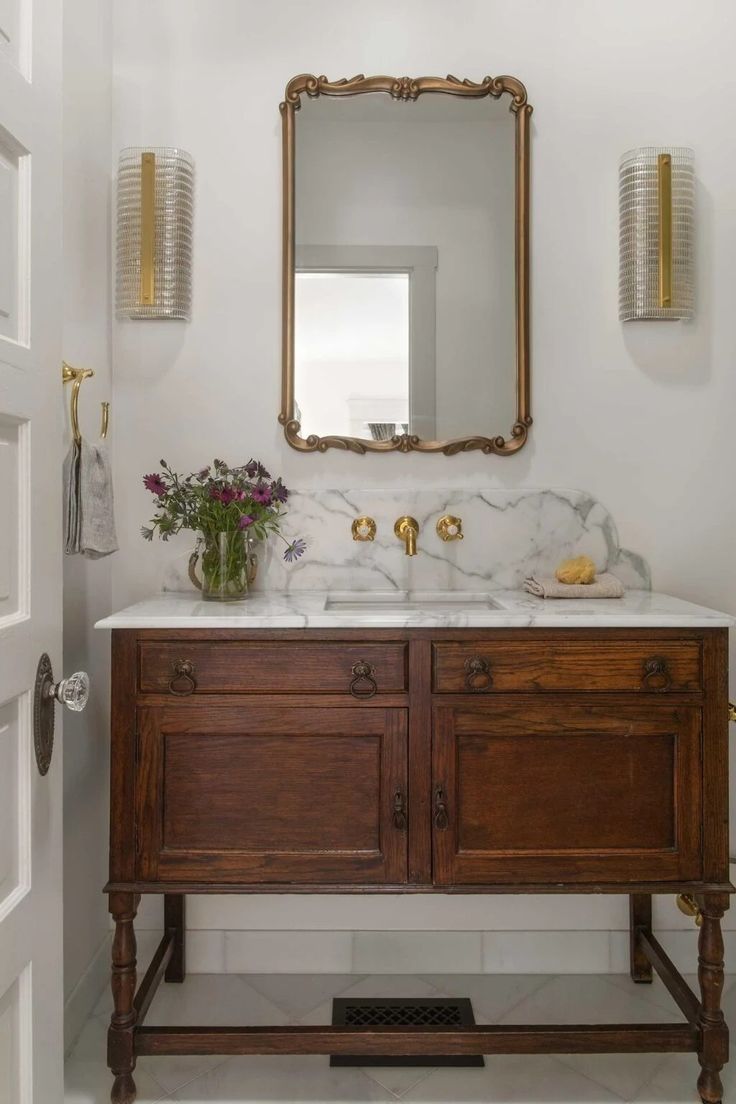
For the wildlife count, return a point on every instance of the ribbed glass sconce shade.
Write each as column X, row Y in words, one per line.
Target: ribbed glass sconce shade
column 154, row 233
column 656, row 211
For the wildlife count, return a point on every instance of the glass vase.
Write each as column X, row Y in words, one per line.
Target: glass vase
column 223, row 566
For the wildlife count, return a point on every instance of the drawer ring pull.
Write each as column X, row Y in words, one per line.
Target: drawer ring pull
column 441, row 819
column 182, row 682
column 363, row 673
column 478, row 674
column 656, row 674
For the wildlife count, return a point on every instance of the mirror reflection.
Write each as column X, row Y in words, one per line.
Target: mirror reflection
column 404, row 256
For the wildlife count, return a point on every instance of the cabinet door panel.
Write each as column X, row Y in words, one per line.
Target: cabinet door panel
column 551, row 790
column 243, row 794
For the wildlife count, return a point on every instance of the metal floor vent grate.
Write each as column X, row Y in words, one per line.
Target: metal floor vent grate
column 399, row 1012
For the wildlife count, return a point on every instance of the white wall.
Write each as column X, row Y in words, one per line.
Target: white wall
column 87, row 584
column 641, row 416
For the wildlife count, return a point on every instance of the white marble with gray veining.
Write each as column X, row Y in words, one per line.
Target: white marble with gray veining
column 511, row 609
column 508, row 535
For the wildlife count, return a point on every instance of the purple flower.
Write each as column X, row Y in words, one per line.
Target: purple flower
column 262, row 494
column 279, row 492
column 155, row 484
column 245, row 521
column 255, row 469
column 294, row 550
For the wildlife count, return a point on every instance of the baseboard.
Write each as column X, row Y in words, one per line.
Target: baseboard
column 86, row 993
column 215, row 951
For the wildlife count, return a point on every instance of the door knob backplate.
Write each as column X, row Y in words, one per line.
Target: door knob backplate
column 72, row 692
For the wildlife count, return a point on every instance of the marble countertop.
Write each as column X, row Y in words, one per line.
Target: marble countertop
column 391, row 610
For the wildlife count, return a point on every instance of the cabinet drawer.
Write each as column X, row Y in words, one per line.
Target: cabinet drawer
column 245, row 667
column 598, row 665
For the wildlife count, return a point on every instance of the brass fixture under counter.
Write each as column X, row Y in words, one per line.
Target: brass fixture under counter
column 407, row 530
column 687, row 905
column 450, row 528
column 364, row 529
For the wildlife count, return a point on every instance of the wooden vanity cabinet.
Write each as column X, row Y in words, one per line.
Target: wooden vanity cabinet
column 507, row 760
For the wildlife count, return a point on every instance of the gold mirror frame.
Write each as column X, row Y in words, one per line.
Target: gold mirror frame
column 409, row 88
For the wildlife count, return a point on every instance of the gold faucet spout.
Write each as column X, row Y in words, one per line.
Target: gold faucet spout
column 407, row 529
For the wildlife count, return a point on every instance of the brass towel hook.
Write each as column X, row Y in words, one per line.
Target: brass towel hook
column 77, row 376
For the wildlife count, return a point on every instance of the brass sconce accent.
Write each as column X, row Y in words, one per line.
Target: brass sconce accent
column 687, row 905
column 155, row 208
column 664, row 199
column 364, row 529
column 450, row 528
column 407, row 529
column 148, row 228
column 656, row 239
column 77, row 376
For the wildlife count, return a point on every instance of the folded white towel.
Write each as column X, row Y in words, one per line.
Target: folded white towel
column 89, row 519
column 605, row 586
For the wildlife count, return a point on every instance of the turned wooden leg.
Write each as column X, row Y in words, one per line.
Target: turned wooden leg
column 120, row 1043
column 174, row 919
column 713, row 1054
column 640, row 919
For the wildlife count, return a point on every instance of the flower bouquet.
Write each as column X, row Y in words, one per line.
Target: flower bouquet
column 231, row 509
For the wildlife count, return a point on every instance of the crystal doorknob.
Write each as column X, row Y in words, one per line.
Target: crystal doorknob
column 73, row 692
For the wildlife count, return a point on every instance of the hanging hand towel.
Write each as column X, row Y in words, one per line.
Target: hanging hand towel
column 605, row 586
column 72, row 516
column 97, row 530
column 89, row 520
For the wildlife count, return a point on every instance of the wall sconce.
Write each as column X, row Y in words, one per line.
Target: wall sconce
column 154, row 233
column 656, row 205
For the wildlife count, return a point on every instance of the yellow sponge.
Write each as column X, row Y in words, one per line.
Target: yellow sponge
column 579, row 570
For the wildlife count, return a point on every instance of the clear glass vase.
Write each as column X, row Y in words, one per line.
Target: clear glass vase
column 223, row 566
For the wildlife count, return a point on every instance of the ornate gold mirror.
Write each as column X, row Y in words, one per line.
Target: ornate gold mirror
column 406, row 264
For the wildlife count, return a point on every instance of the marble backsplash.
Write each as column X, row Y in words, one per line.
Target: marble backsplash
column 508, row 535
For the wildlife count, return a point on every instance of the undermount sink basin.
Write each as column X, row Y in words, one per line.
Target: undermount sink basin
column 406, row 601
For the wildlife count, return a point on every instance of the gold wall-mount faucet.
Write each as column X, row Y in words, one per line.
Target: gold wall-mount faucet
column 407, row 530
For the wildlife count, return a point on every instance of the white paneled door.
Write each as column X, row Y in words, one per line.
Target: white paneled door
column 30, row 546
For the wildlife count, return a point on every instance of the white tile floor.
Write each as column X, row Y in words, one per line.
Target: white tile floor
column 501, row 998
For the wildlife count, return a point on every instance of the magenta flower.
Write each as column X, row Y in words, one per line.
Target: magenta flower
column 245, row 521
column 155, row 484
column 225, row 495
column 262, row 494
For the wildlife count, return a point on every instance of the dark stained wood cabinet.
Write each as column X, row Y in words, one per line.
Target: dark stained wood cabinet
column 249, row 793
column 565, row 790
column 493, row 761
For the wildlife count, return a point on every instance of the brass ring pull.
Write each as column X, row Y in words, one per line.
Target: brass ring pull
column 183, row 682
column 656, row 674
column 363, row 672
column 399, row 812
column 478, row 674
column 441, row 819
